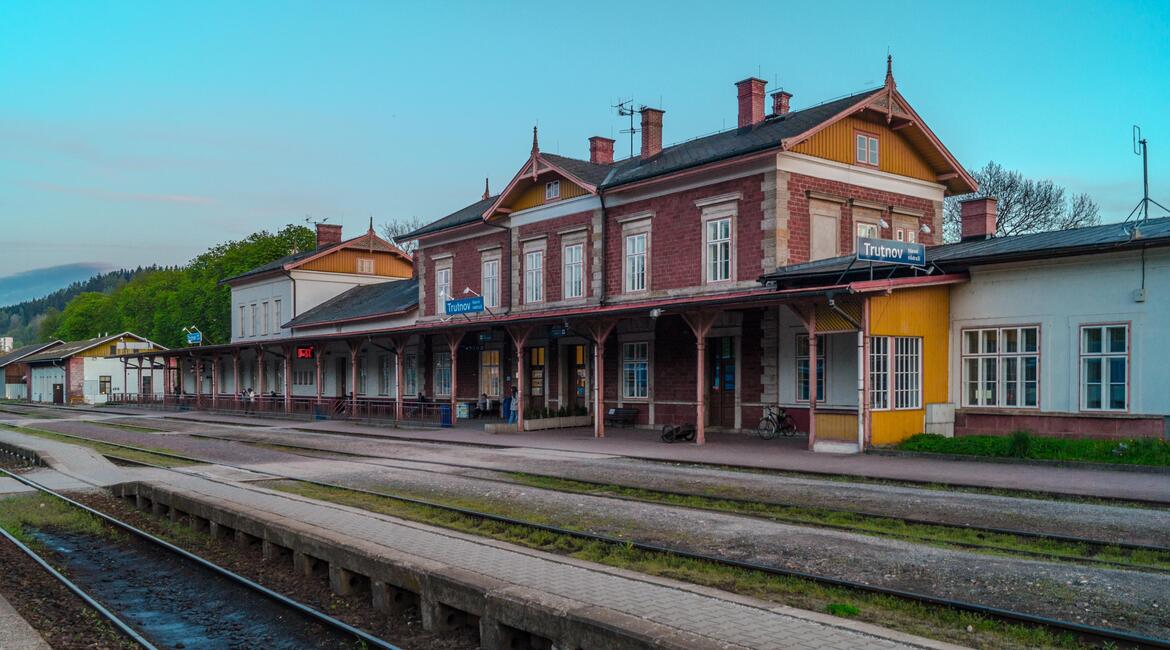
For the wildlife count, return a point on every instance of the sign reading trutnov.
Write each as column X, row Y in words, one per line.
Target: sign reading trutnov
column 194, row 338
column 890, row 251
column 465, row 305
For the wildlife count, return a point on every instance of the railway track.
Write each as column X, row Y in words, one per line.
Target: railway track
column 1104, row 637
column 299, row 609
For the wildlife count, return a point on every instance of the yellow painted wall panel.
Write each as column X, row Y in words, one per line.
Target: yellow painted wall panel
column 837, row 426
column 345, row 261
column 896, row 155
column 103, row 350
column 923, row 312
column 534, row 195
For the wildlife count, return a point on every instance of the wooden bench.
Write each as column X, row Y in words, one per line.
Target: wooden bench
column 620, row 415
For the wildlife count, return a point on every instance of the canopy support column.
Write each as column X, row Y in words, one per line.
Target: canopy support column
column 701, row 324
column 519, row 335
column 453, row 341
column 599, row 332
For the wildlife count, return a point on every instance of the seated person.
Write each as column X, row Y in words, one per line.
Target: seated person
column 483, row 406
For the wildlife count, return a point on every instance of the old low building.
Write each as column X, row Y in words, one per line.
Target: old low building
column 92, row 370
column 16, row 370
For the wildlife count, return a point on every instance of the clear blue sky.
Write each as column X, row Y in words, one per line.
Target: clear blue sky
column 133, row 132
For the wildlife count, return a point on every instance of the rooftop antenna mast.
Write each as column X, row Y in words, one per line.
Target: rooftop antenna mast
column 1141, row 148
column 626, row 109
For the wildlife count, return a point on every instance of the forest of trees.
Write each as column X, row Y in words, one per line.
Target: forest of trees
column 153, row 302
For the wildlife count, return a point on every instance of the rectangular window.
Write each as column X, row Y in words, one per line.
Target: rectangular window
column 719, row 250
column 255, row 319
column 104, row 384
column 574, row 262
column 442, row 289
column 867, row 149
column 534, row 277
column 410, row 375
column 365, row 265
column 895, row 372
column 363, row 369
column 490, row 283
column 879, row 372
column 276, row 325
column 868, row 230
column 635, row 370
column 552, row 190
column 243, row 322
column 264, row 318
column 442, row 374
column 1001, row 367
column 636, row 262
column 802, row 368
column 489, row 373
column 536, row 371
column 304, row 377
column 1105, row 367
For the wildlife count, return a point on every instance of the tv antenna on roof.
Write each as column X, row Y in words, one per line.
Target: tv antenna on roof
column 1141, row 148
column 626, row 109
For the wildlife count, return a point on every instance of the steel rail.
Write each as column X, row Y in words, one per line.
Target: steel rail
column 302, row 609
column 1081, row 630
column 1056, row 537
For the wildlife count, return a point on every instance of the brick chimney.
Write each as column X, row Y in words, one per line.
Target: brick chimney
column 328, row 234
column 780, row 101
column 651, row 131
column 979, row 218
column 751, row 101
column 600, row 150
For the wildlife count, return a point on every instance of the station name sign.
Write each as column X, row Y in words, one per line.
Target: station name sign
column 889, row 251
column 472, row 305
column 194, row 338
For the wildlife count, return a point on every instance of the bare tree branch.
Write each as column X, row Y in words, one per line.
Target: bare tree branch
column 395, row 230
column 1025, row 205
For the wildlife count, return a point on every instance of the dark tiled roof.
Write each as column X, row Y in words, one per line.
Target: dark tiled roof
column 727, row 144
column 70, row 348
column 364, row 301
column 468, row 214
column 273, row 265
column 22, row 352
column 591, row 173
column 1053, row 243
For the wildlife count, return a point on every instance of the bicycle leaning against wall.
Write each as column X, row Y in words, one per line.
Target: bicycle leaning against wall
column 776, row 422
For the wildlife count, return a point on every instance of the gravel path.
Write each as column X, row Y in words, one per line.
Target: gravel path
column 1125, row 599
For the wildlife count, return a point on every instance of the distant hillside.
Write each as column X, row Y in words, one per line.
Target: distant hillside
column 23, row 320
column 28, row 285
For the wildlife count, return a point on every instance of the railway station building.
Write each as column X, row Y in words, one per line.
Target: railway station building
column 705, row 281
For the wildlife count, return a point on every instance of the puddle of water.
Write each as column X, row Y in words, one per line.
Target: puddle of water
column 177, row 605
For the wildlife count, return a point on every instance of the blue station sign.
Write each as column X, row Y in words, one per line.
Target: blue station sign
column 194, row 338
column 473, row 305
column 889, row 251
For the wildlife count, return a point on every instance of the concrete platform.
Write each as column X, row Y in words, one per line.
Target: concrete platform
column 16, row 633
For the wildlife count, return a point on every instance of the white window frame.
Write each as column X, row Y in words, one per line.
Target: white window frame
column 1104, row 357
column 866, row 148
column 365, row 265
column 719, row 247
column 533, row 276
column 635, row 262
column 573, row 273
column 442, row 379
column 991, row 360
column 442, row 287
column 552, row 190
column 410, row 375
column 802, row 358
column 276, row 326
column 489, row 282
column 243, row 321
column 635, row 358
column 255, row 319
column 490, row 374
column 264, row 328
column 304, row 377
column 363, row 375
column 902, row 374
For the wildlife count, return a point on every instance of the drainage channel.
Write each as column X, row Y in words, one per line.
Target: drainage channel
column 160, row 595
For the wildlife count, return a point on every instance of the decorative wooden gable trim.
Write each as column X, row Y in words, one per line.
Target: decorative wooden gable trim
column 524, row 191
column 891, row 107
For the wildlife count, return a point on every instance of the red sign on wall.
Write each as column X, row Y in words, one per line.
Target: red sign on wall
column 306, row 352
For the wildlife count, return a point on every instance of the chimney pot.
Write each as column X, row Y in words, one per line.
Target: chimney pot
column 979, row 218
column 328, row 234
column 780, row 101
column 651, row 131
column 751, row 101
column 600, row 150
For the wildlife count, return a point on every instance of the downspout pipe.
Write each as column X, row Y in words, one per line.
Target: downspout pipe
column 861, row 374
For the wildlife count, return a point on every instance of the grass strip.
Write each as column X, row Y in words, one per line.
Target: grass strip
column 104, row 448
column 887, row 611
column 25, row 513
column 1021, row 444
column 939, row 535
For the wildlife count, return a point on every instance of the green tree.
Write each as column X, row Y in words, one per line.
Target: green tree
column 88, row 315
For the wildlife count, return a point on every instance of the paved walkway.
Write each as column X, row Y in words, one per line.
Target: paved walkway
column 782, row 455
column 721, row 617
column 16, row 633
